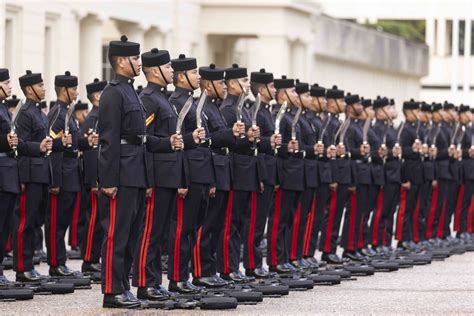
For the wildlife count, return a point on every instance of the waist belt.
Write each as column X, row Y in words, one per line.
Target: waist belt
column 9, row 155
column 136, row 140
column 300, row 154
column 205, row 143
column 224, row 151
column 70, row 154
column 247, row 152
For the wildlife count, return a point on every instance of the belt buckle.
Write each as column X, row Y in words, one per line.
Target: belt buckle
column 143, row 139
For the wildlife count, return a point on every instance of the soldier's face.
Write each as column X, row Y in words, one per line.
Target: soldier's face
column 293, row 96
column 369, row 111
column 245, row 84
column 465, row 117
column 271, row 88
column 131, row 65
column 39, row 89
column 220, row 87
column 168, row 72
column 194, row 77
column 73, row 93
column 341, row 105
column 306, row 100
column 6, row 88
column 393, row 112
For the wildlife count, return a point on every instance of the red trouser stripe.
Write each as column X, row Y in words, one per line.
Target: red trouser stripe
column 457, row 218
column 21, row 228
column 441, row 220
column 197, row 254
column 295, row 233
column 52, row 230
column 332, row 211
column 225, row 243
column 75, row 220
column 401, row 213
column 146, row 240
column 352, row 223
column 378, row 215
column 434, row 200
column 177, row 240
column 90, row 229
column 251, row 232
column 8, row 246
column 470, row 215
column 309, row 227
column 416, row 215
column 276, row 219
column 110, row 246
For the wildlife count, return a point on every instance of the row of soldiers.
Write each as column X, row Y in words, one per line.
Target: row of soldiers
column 201, row 178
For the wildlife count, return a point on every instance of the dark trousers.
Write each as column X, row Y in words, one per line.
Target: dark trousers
column 280, row 223
column 78, row 222
column 382, row 220
column 93, row 232
column 315, row 220
column 452, row 199
column 184, row 225
column 390, row 221
column 466, row 206
column 7, row 207
column 421, row 214
column 147, row 270
column 409, row 202
column 228, row 251
column 39, row 225
column 300, row 222
column 120, row 217
column 255, row 226
column 58, row 219
column 25, row 221
column 353, row 217
column 332, row 219
column 209, row 235
column 438, row 208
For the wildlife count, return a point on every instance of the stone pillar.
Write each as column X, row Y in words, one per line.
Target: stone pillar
column 455, row 60
column 430, row 35
column 90, row 52
column 274, row 54
column 467, row 60
column 441, row 36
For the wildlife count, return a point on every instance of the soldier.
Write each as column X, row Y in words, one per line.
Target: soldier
column 192, row 204
column 246, row 179
column 319, row 121
column 93, row 233
column 261, row 83
column 383, row 219
column 341, row 177
column 122, row 172
column 10, row 144
column 167, row 173
column 34, row 177
column 223, row 137
column 291, row 180
column 412, row 174
column 66, row 175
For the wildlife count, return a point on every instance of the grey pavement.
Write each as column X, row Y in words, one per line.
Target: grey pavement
column 445, row 288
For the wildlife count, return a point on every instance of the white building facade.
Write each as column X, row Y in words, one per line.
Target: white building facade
column 284, row 36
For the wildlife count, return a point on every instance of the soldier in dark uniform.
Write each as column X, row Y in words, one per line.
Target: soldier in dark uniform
column 122, row 172
column 383, row 219
column 342, row 178
column 192, row 204
column 66, row 175
column 167, row 175
column 9, row 179
column 319, row 121
column 412, row 174
column 246, row 179
column 359, row 198
column 291, row 179
column 261, row 82
column 223, row 137
column 93, row 233
column 34, row 177
column 312, row 150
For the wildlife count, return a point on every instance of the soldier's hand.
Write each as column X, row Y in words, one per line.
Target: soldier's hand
column 66, row 139
column 238, row 129
column 212, row 192
column 397, row 150
column 364, row 149
column 341, row 150
column 416, row 147
column 253, row 133
column 433, row 151
column 352, row 189
column 149, row 191
column 182, row 192
column 277, row 187
column 262, row 187
column 176, row 141
column 93, row 140
column 46, row 145
column 23, row 188
column 275, row 140
column 94, row 189
column 333, row 186
column 452, row 151
column 54, row 190
column 406, row 185
column 424, row 149
column 434, row 184
column 383, row 151
column 458, row 153
column 293, row 146
column 319, row 149
column 12, row 139
column 110, row 192
column 471, row 152
column 332, row 152
column 199, row 134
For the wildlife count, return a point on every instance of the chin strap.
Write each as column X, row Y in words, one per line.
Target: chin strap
column 162, row 75
column 288, row 97
column 189, row 81
column 131, row 66
column 36, row 94
column 215, row 90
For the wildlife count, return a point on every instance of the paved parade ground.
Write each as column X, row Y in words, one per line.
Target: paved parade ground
column 442, row 288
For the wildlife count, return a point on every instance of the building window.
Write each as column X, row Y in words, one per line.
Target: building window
column 107, row 71
column 462, row 29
